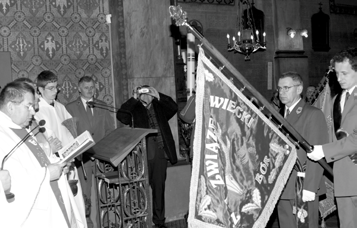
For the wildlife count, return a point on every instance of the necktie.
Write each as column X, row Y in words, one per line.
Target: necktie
column 89, row 111
column 353, row 157
column 346, row 98
column 287, row 113
column 89, row 114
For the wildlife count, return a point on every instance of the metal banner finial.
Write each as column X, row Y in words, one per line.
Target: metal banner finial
column 178, row 15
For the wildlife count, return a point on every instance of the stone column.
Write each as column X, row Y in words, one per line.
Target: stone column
column 289, row 53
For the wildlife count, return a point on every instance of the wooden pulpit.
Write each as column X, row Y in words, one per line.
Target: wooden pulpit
column 123, row 195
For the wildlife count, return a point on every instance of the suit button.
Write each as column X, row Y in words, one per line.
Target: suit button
column 332, row 158
column 92, row 133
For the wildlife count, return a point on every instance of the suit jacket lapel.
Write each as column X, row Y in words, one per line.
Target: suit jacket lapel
column 95, row 110
column 296, row 112
column 349, row 104
column 83, row 112
column 81, row 107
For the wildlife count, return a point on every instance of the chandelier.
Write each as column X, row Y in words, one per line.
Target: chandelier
column 250, row 35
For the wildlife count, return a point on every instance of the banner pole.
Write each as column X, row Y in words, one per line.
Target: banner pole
column 180, row 17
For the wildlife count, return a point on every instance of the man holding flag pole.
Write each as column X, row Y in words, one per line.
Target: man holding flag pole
column 321, row 98
column 343, row 150
column 243, row 153
column 305, row 183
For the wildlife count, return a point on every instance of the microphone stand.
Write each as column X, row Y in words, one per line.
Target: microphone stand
column 111, row 109
column 9, row 195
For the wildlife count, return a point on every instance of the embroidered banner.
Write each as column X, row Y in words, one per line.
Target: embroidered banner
column 241, row 160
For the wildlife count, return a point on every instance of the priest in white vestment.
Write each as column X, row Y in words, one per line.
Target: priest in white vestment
column 37, row 199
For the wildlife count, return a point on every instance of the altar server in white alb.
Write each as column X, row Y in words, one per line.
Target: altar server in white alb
column 55, row 113
column 51, row 110
column 38, row 201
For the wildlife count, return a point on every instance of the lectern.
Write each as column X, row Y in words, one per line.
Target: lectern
column 123, row 195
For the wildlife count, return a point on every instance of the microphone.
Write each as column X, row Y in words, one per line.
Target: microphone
column 93, row 104
column 40, row 124
column 110, row 108
column 9, row 195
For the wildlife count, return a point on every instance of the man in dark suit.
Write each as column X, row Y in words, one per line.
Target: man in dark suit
column 342, row 151
column 98, row 122
column 151, row 109
column 311, row 124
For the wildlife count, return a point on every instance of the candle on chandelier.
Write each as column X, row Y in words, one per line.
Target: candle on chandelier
column 264, row 36
column 179, row 51
column 228, row 39
column 239, row 36
column 234, row 40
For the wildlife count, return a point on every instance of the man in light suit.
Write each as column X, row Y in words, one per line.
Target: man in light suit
column 342, row 150
column 310, row 123
column 98, row 122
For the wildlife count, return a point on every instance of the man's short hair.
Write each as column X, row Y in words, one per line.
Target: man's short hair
column 349, row 54
column 24, row 80
column 14, row 92
column 46, row 77
column 294, row 76
column 85, row 79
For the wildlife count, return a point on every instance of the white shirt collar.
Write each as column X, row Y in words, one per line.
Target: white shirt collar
column 350, row 90
column 84, row 102
column 291, row 108
column 44, row 102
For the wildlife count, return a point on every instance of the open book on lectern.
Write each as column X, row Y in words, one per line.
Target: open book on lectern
column 76, row 147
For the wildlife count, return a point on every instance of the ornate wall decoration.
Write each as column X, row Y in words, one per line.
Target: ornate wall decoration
column 69, row 37
column 217, row 2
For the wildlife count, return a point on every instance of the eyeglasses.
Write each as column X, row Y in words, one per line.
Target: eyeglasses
column 52, row 88
column 286, row 88
column 29, row 107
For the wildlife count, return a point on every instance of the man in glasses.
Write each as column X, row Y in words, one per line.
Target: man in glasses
column 342, row 152
column 53, row 144
column 34, row 180
column 52, row 111
column 306, row 181
column 55, row 114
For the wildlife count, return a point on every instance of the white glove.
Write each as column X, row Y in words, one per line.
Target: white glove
column 308, row 196
column 317, row 153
